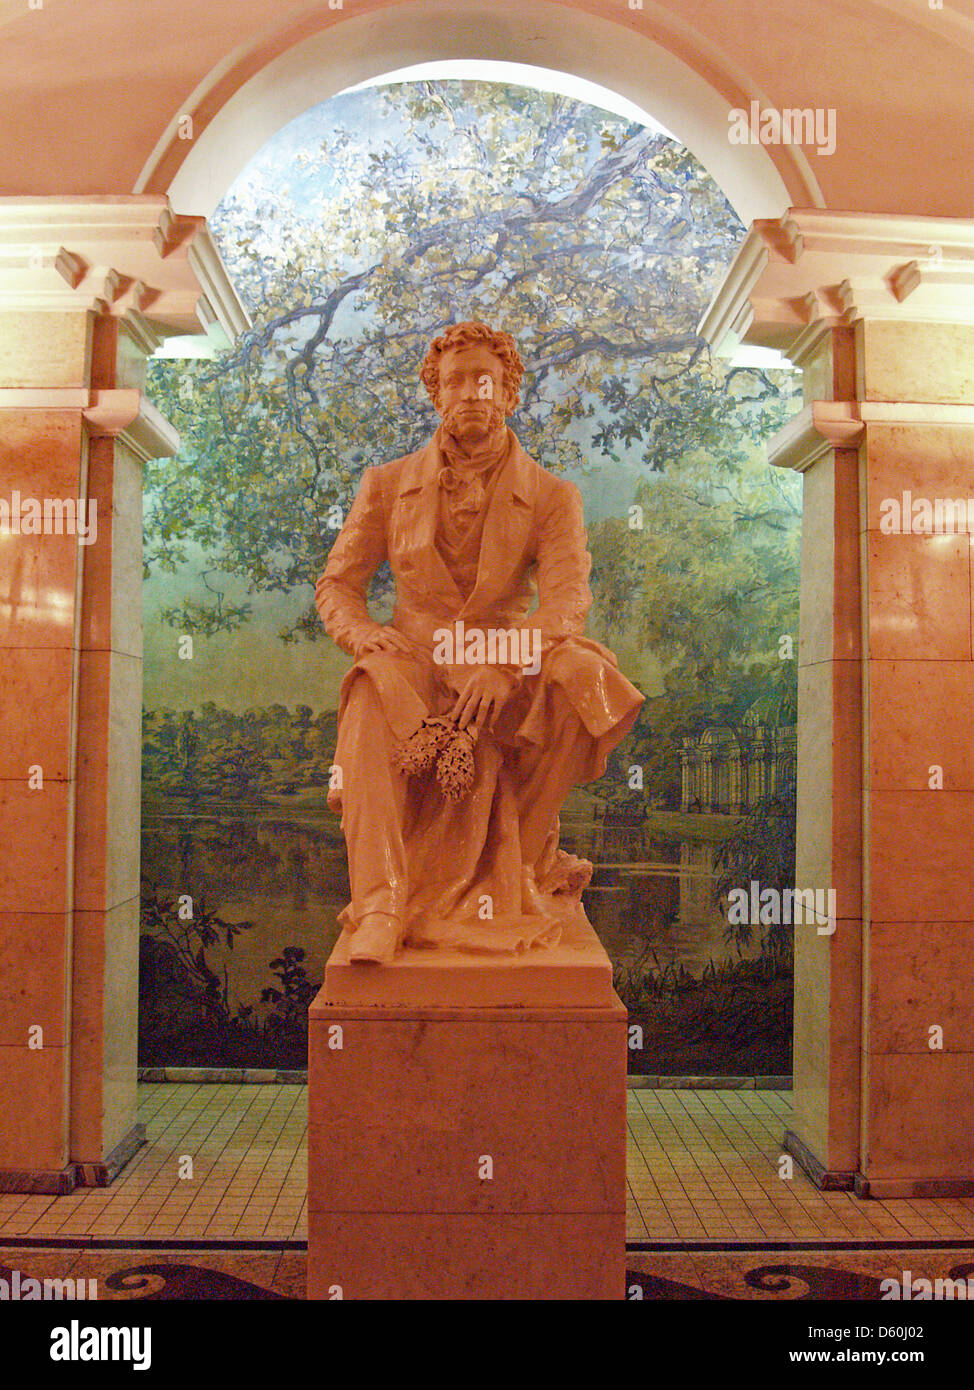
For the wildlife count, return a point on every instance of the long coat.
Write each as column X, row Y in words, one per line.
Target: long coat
column 533, row 544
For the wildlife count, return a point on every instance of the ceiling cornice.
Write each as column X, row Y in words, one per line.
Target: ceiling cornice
column 813, row 269
column 128, row 257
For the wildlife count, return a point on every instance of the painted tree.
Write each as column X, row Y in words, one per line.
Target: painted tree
column 595, row 242
column 598, row 244
column 705, row 571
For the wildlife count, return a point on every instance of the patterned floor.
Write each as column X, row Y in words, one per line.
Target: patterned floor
column 703, row 1168
column 778, row 1275
column 768, row 1275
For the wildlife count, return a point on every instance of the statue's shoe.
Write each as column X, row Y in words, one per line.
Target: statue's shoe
column 375, row 940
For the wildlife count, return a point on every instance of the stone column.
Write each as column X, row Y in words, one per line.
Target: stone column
column 89, row 289
column 879, row 313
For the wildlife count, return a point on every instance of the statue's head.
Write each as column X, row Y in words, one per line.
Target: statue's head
column 473, row 375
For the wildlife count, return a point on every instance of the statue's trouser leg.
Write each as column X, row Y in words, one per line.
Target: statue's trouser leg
column 373, row 802
column 545, row 774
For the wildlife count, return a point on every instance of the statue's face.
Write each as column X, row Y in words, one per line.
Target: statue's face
column 471, row 395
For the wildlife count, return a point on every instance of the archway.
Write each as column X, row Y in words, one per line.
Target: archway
column 680, row 78
column 672, row 390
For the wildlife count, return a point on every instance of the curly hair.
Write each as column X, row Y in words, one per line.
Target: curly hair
column 462, row 335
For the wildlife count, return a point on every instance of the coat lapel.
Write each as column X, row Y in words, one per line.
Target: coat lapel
column 413, row 540
column 507, row 528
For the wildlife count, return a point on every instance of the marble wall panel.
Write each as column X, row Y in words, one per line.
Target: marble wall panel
column 929, row 362
column 920, row 977
column 33, row 982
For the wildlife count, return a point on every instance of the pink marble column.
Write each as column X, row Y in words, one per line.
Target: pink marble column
column 916, row 383
column 43, row 452
column 824, row 1131
column 879, row 314
column 72, row 424
column 105, row 280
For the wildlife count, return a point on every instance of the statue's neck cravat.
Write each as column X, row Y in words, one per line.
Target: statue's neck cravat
column 467, row 481
column 465, row 473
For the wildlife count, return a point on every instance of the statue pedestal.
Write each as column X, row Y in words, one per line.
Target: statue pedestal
column 467, row 1126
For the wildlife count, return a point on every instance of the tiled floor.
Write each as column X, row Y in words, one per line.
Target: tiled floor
column 248, row 1149
column 703, row 1166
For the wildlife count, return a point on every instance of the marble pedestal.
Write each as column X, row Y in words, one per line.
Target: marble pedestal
column 467, row 1127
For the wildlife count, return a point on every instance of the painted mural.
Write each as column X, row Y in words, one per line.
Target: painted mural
column 360, row 231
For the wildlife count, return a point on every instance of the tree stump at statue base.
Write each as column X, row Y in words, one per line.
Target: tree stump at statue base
column 467, row 1131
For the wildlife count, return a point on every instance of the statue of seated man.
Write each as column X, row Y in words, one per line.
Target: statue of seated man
column 464, row 721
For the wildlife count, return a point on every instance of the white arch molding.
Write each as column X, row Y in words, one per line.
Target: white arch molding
column 627, row 72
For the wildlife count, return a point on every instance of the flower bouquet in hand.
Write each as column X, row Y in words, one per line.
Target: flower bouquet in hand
column 439, row 742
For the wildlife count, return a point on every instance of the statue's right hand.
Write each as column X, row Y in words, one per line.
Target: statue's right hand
column 387, row 639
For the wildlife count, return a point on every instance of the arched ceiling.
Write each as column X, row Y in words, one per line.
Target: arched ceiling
column 91, row 93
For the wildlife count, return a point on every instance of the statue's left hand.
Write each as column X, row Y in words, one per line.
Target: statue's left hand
column 482, row 697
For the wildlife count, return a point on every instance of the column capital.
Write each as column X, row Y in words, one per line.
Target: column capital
column 127, row 257
column 825, row 425
column 108, row 414
column 129, row 416
column 797, row 276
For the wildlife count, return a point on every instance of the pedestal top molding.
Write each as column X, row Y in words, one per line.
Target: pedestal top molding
column 130, row 257
column 796, row 276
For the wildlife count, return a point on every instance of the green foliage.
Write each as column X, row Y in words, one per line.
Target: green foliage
column 187, row 940
column 707, row 578
column 736, row 1019
column 596, row 243
column 217, row 753
column 185, row 1013
column 292, row 1000
column 761, row 848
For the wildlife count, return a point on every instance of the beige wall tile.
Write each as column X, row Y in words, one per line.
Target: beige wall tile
column 104, row 1030
column 112, row 610
column 35, row 832
column 43, row 454
column 919, row 1115
column 928, row 461
column 44, row 349
column 109, row 780
column 920, row 857
column 36, row 712
column 919, row 717
column 34, row 1132
column 919, row 976
column 917, row 362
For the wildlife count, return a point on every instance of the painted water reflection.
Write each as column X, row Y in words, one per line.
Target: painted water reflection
column 240, row 914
